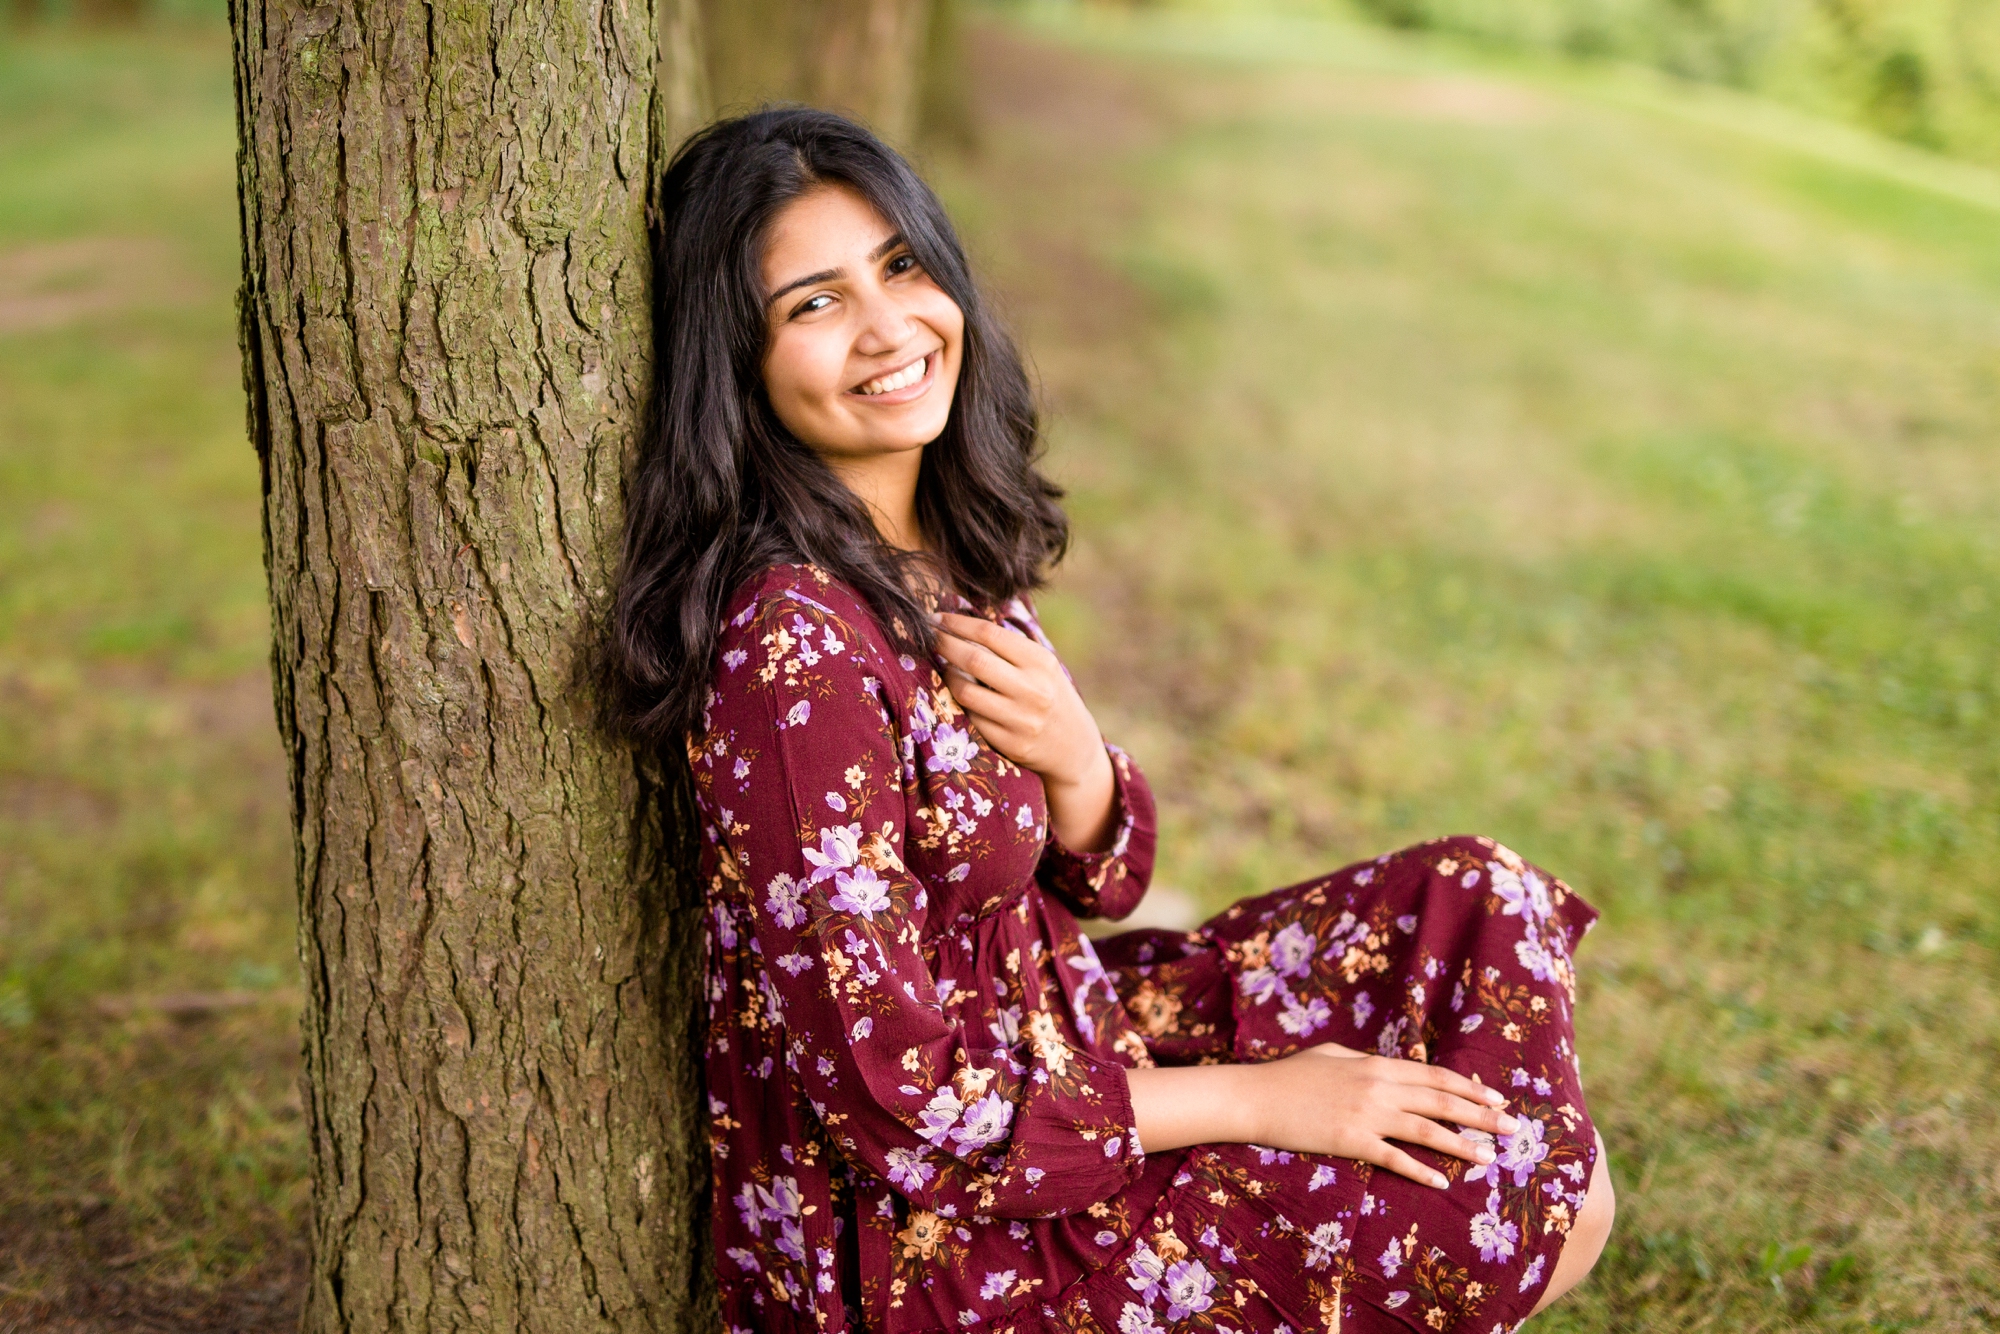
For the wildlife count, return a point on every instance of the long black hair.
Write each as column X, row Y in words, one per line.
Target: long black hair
column 723, row 491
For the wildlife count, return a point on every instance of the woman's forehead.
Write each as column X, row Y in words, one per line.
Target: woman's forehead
column 828, row 227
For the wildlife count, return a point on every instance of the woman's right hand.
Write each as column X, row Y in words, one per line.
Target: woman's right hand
column 1326, row 1100
column 1336, row 1101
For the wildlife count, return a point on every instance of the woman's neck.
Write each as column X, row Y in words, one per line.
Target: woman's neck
column 887, row 485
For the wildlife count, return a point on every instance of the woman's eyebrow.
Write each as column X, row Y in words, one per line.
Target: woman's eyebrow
column 833, row 275
column 823, row 276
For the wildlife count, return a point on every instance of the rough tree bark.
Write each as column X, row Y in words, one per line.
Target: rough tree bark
column 445, row 326
column 445, row 332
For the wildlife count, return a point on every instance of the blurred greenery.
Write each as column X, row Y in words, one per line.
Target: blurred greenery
column 1464, row 447
column 1456, row 443
column 143, row 838
column 1926, row 71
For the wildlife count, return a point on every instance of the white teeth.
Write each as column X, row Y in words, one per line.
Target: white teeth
column 902, row 379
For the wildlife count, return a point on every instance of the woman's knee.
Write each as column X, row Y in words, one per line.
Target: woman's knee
column 1588, row 1235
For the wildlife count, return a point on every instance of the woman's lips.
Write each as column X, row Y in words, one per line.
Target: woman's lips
column 901, row 385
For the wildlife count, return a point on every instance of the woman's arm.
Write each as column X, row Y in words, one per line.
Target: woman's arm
column 806, row 772
column 1027, row 708
column 1325, row 1099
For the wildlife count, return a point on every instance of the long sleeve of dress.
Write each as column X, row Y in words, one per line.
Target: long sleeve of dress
column 1109, row 883
column 810, row 772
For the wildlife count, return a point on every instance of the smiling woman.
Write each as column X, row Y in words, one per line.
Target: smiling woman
column 864, row 349
column 934, row 1105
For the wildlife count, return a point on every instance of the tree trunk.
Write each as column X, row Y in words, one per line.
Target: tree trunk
column 445, row 329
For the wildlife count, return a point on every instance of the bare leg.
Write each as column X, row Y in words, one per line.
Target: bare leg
column 1587, row 1237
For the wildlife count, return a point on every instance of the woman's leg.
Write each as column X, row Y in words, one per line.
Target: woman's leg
column 1587, row 1238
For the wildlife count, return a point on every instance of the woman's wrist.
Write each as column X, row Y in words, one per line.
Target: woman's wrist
column 1081, row 807
column 1173, row 1107
column 1089, row 770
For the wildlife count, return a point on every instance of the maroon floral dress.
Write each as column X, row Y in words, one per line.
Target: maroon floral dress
column 919, row 1112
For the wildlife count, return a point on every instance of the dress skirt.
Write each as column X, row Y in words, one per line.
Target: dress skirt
column 1454, row 952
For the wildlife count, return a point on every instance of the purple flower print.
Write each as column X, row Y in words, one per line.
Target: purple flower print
column 1520, row 1151
column 1136, row 1319
column 784, row 899
column 952, row 750
column 1486, row 1172
column 1148, row 1270
column 939, row 1115
column 1523, row 894
column 1188, row 1285
column 751, row 1212
column 839, row 849
column 985, row 1122
column 1364, row 1005
column 996, row 1285
column 860, row 891
column 1391, row 1258
column 923, row 717
column 1322, row 1244
column 1260, row 984
column 1534, row 1274
column 908, row 1170
column 1292, row 950
column 1303, row 1020
column 1493, row 1235
column 1536, row 959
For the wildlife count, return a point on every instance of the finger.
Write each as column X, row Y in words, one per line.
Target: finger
column 982, row 701
column 1011, row 646
column 978, row 661
column 1441, row 1106
column 1403, row 1164
column 1438, row 1077
column 1422, row 1130
column 1492, row 1120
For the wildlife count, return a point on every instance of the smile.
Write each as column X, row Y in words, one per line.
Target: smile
column 914, row 374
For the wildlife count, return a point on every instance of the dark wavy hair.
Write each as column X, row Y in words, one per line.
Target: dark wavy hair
column 722, row 491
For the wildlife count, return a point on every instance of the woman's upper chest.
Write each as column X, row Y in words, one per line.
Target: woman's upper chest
column 974, row 822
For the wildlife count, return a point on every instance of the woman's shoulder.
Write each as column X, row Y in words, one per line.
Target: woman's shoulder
column 794, row 600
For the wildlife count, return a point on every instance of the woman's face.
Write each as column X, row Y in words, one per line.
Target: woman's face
column 863, row 354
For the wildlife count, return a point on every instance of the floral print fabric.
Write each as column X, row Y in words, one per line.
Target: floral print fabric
column 919, row 1112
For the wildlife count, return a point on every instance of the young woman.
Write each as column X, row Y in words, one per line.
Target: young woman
column 1347, row 1105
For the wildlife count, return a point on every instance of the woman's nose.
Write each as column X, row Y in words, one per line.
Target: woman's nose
column 884, row 325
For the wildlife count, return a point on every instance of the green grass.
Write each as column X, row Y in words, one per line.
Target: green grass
column 1455, row 446
column 143, row 839
column 1483, row 452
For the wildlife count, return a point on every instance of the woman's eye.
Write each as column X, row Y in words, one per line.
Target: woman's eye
column 814, row 303
column 902, row 264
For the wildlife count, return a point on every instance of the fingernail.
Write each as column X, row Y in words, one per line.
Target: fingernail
column 1508, row 1125
column 1495, row 1097
column 1483, row 1153
column 1437, row 1179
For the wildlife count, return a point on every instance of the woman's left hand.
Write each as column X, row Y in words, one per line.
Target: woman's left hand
column 1026, row 707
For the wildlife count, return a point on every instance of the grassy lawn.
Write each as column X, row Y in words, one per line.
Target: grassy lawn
column 147, row 1165
column 1454, row 448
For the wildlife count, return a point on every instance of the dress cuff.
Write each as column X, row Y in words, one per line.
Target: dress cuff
column 1109, row 883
